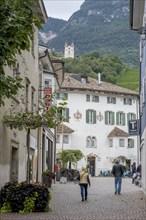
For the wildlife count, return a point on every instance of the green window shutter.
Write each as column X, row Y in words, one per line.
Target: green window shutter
column 134, row 116
column 67, row 114
column 108, row 100
column 128, row 118
column 123, row 118
column 117, row 118
column 114, row 101
column 132, row 143
column 106, row 117
column 87, row 116
column 94, row 117
column 113, row 118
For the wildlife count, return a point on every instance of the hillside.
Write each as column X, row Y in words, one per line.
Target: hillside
column 101, row 25
column 129, row 79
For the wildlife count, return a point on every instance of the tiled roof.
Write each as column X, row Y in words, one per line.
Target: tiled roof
column 64, row 129
column 72, row 82
column 117, row 132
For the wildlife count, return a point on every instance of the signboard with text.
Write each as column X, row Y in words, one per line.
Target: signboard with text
column 133, row 127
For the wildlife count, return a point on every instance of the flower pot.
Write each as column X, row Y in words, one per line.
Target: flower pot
column 47, row 181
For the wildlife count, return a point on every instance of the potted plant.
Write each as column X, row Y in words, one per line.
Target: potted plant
column 47, row 177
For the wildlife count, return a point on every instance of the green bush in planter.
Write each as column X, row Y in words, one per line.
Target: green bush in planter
column 24, row 197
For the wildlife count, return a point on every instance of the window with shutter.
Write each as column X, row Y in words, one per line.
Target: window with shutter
column 121, row 142
column 65, row 113
column 130, row 143
column 120, row 118
column 109, row 118
column 91, row 116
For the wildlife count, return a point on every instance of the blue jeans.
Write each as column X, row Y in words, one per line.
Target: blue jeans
column 84, row 190
column 118, row 184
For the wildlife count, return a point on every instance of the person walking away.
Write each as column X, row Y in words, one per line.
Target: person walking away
column 133, row 166
column 83, row 182
column 117, row 171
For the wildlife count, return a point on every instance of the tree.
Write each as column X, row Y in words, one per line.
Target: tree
column 72, row 156
column 17, row 19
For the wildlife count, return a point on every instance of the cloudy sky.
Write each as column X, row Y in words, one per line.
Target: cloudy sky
column 62, row 9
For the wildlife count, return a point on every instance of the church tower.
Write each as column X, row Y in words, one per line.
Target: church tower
column 69, row 51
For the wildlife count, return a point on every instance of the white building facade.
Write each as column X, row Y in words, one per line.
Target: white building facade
column 98, row 113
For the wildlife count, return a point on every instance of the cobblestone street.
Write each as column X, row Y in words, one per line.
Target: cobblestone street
column 102, row 203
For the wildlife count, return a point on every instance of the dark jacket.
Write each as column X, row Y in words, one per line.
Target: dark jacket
column 117, row 169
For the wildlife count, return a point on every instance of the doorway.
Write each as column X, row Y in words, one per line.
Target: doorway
column 91, row 165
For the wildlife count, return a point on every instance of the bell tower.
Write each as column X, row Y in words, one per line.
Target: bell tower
column 69, row 51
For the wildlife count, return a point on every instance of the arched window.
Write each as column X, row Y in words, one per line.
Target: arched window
column 93, row 142
column 88, row 141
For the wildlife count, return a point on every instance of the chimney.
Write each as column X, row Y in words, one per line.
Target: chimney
column 99, row 76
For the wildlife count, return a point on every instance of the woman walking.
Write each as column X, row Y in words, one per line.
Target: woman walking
column 84, row 181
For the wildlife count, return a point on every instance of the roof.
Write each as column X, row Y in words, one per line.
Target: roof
column 64, row 129
column 117, row 132
column 73, row 82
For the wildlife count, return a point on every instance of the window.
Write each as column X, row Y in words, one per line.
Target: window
column 130, row 143
column 88, row 98
column 48, row 83
column 92, row 98
column 58, row 139
column 91, row 142
column 65, row 113
column 65, row 139
column 120, row 118
column 109, row 118
column 32, row 99
column 95, row 98
column 130, row 116
column 110, row 142
column 121, row 142
column 127, row 101
column 88, row 142
column 62, row 95
column 111, row 100
column 91, row 116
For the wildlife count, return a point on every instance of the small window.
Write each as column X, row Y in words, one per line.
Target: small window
column 121, row 142
column 110, row 142
column 88, row 142
column 91, row 142
column 62, row 95
column 111, row 100
column 88, row 98
column 48, row 83
column 95, row 98
column 130, row 143
column 127, row 101
column 83, row 79
column 58, row 139
column 65, row 139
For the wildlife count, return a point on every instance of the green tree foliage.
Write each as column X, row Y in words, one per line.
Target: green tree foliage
column 91, row 64
column 70, row 156
column 17, row 19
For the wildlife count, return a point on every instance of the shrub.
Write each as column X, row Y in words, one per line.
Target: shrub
column 24, row 197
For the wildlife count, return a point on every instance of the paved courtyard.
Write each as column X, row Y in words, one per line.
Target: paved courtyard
column 102, row 203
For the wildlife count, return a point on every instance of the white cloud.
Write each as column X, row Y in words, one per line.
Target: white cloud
column 62, row 9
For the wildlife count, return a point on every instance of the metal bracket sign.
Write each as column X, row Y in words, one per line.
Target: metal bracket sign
column 133, row 127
